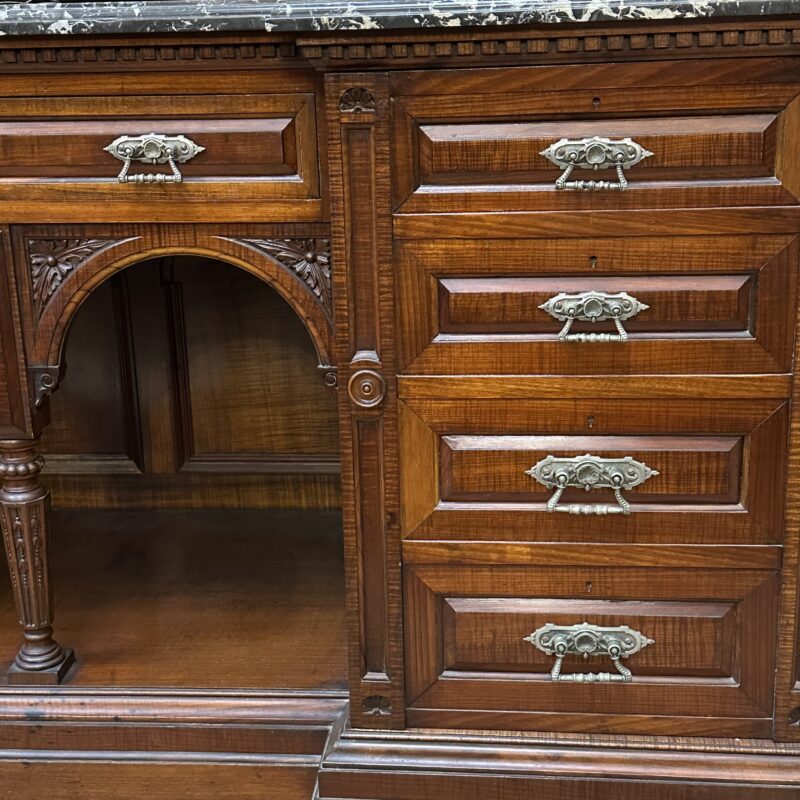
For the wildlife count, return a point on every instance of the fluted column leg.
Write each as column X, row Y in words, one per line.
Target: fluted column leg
column 25, row 521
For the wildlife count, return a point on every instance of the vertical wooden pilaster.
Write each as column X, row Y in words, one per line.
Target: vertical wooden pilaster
column 787, row 670
column 357, row 114
column 25, row 520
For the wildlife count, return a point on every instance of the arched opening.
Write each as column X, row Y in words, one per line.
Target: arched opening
column 192, row 459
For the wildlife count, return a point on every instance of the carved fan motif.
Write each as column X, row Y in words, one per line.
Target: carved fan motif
column 357, row 100
column 309, row 259
column 51, row 260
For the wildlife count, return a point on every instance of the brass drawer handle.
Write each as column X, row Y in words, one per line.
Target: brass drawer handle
column 590, row 472
column 594, row 153
column 593, row 307
column 587, row 640
column 153, row 148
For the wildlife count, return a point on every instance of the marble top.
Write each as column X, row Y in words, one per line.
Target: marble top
column 161, row 16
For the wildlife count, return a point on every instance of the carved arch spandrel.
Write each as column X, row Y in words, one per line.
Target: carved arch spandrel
column 50, row 317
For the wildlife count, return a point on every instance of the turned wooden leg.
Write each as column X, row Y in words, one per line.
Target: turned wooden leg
column 25, row 520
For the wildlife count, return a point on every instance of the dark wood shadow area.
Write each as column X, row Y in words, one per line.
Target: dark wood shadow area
column 198, row 599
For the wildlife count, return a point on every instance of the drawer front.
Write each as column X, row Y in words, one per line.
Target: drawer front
column 711, row 137
column 235, row 149
column 703, row 304
column 718, row 470
column 706, row 671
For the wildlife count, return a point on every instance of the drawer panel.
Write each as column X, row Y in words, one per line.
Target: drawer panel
column 715, row 304
column 707, row 671
column 255, row 148
column 711, row 139
column 720, row 470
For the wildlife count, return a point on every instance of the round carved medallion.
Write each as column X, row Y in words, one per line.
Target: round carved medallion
column 366, row 388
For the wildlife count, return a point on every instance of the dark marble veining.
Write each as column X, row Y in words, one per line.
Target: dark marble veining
column 151, row 16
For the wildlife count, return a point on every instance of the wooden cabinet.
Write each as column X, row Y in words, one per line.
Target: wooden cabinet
column 531, row 318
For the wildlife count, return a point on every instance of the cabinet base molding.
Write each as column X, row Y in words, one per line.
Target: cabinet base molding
column 417, row 765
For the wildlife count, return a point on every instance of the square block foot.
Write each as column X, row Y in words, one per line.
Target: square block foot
column 42, row 677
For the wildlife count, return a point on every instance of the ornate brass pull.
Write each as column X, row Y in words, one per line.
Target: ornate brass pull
column 590, row 472
column 153, row 148
column 589, row 640
column 593, row 307
column 594, row 153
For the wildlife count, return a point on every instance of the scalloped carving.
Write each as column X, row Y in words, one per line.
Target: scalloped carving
column 357, row 100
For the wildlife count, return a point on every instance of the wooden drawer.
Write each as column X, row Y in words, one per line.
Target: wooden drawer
column 259, row 152
column 715, row 304
column 721, row 470
column 708, row 670
column 472, row 140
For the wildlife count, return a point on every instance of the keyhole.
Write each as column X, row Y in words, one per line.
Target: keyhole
column 588, row 587
column 596, row 102
column 592, row 262
column 590, row 421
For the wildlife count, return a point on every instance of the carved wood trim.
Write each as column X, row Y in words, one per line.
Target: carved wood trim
column 549, row 43
column 690, row 38
column 120, row 250
column 155, row 54
column 52, row 260
column 307, row 259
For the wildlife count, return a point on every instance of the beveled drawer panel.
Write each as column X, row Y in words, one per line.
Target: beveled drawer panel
column 708, row 138
column 720, row 470
column 707, row 671
column 714, row 304
column 258, row 149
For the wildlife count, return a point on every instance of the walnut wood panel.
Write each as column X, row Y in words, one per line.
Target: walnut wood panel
column 721, row 466
column 248, row 374
column 95, row 416
column 716, row 304
column 580, row 224
column 458, row 150
column 660, row 387
column 260, row 149
column 711, row 663
column 92, row 776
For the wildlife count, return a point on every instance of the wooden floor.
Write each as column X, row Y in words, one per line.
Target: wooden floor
column 196, row 599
